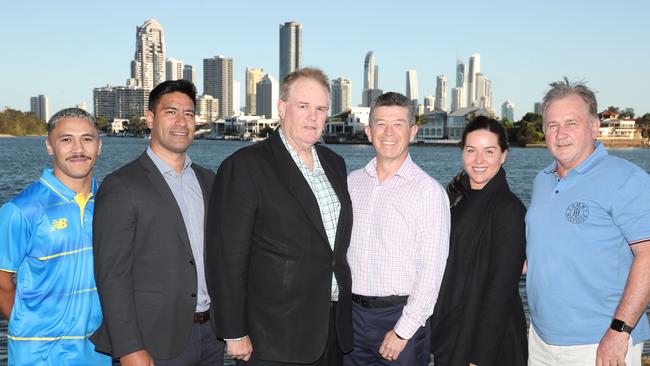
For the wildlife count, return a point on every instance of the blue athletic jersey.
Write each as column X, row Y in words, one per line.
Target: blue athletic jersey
column 46, row 239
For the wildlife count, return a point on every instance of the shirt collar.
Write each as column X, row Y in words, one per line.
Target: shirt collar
column 296, row 158
column 61, row 189
column 406, row 171
column 163, row 167
column 586, row 165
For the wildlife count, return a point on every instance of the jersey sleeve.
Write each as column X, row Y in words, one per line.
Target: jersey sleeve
column 14, row 237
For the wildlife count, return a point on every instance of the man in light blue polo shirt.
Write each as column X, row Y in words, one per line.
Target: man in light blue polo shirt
column 588, row 243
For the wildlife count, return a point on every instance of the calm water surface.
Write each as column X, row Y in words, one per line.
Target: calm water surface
column 22, row 160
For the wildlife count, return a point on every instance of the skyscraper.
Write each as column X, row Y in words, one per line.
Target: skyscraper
column 483, row 91
column 290, row 48
column 253, row 76
column 120, row 102
column 461, row 82
column 267, row 94
column 217, row 81
column 538, row 108
column 341, row 95
column 148, row 66
column 40, row 106
column 474, row 68
column 369, row 71
column 174, row 69
column 457, row 99
column 189, row 73
column 412, row 88
column 441, row 93
column 508, row 111
column 429, row 103
column 207, row 108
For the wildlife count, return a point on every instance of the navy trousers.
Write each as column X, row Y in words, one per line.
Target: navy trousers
column 370, row 327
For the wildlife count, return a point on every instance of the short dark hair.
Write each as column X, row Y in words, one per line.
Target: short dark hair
column 488, row 124
column 392, row 99
column 70, row 113
column 170, row 86
column 312, row 73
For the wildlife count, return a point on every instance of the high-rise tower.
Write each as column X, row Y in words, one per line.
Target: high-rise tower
column 253, row 76
column 474, row 68
column 174, row 69
column 369, row 71
column 217, row 81
column 412, row 88
column 341, row 95
column 461, row 83
column 148, row 65
column 290, row 48
column 441, row 93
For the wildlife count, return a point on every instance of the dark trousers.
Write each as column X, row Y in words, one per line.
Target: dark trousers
column 203, row 349
column 370, row 327
column 332, row 355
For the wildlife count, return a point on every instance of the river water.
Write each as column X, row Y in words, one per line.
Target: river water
column 22, row 160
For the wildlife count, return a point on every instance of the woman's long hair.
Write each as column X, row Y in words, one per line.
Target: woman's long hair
column 456, row 189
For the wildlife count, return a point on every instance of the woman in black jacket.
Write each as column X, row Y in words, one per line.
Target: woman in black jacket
column 479, row 318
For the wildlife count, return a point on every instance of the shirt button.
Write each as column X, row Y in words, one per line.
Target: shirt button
column 193, row 295
column 192, row 263
column 556, row 192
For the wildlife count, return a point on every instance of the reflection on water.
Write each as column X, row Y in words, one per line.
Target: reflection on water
column 22, row 160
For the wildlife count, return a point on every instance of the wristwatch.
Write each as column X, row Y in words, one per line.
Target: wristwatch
column 620, row 326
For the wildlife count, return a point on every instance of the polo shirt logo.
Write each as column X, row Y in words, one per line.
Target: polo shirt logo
column 577, row 213
column 59, row 224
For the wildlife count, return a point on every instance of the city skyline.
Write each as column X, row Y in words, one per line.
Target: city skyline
column 66, row 50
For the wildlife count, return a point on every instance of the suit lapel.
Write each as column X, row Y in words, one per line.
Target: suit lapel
column 296, row 183
column 205, row 188
column 166, row 195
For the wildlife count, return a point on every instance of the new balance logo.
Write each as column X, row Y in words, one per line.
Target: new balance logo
column 59, row 224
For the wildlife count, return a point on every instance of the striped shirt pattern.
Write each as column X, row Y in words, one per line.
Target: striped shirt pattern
column 328, row 202
column 400, row 239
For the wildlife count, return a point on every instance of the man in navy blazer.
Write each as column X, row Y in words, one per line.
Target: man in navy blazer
column 278, row 227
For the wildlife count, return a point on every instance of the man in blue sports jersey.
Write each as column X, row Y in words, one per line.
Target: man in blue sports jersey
column 46, row 243
column 588, row 243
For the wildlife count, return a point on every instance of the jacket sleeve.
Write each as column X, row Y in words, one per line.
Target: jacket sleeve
column 114, row 225
column 507, row 255
column 230, row 224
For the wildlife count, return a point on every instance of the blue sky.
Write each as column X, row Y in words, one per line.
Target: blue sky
column 64, row 49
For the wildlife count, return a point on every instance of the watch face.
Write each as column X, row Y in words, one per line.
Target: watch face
column 618, row 325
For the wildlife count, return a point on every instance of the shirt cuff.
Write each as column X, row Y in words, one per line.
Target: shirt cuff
column 234, row 339
column 406, row 327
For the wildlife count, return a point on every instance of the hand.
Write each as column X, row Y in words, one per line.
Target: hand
column 138, row 358
column 392, row 346
column 240, row 349
column 612, row 348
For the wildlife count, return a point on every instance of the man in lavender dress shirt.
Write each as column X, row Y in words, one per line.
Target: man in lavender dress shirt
column 399, row 244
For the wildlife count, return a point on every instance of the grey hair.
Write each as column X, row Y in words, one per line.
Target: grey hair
column 392, row 99
column 69, row 113
column 564, row 88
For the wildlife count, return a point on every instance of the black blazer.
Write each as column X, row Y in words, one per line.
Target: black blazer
column 479, row 316
column 144, row 267
column 269, row 263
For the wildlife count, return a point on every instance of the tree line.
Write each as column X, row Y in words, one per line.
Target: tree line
column 18, row 123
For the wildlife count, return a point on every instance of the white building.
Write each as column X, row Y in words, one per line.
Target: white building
column 441, row 93
column 412, row 88
column 207, row 108
column 236, row 98
column 174, row 69
column 341, row 95
column 457, row 99
column 461, row 83
column 508, row 111
column 433, row 127
column 113, row 102
column 457, row 120
column 474, row 68
column 148, row 65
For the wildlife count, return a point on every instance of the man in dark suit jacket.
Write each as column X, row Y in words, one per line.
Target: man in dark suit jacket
column 278, row 231
column 148, row 242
